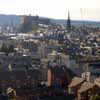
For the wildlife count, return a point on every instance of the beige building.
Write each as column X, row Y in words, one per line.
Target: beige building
column 86, row 90
column 42, row 50
column 97, row 81
column 86, row 76
column 59, row 58
column 83, row 89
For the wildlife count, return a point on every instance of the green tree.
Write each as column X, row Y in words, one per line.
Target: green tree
column 4, row 48
column 7, row 49
column 97, row 97
column 10, row 48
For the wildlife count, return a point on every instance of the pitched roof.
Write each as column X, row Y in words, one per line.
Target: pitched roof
column 97, row 81
column 76, row 81
column 86, row 86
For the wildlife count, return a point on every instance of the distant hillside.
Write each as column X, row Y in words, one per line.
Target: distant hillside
column 77, row 22
column 9, row 19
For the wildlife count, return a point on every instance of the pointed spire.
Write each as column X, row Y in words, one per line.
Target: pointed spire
column 68, row 15
column 68, row 22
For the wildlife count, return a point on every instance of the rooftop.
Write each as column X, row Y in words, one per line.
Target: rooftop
column 76, row 81
column 86, row 86
column 97, row 81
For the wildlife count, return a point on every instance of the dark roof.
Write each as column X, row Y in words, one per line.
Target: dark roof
column 63, row 72
column 19, row 75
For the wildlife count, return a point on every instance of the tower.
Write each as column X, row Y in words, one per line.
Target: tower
column 49, row 77
column 86, row 74
column 68, row 23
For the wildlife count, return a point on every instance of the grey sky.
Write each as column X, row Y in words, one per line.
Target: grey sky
column 53, row 8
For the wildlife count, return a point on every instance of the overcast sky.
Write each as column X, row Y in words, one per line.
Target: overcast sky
column 53, row 8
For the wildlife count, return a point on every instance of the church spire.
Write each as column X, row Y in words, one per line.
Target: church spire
column 68, row 22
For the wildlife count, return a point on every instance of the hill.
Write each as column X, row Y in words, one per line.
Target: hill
column 9, row 20
column 15, row 20
column 77, row 22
